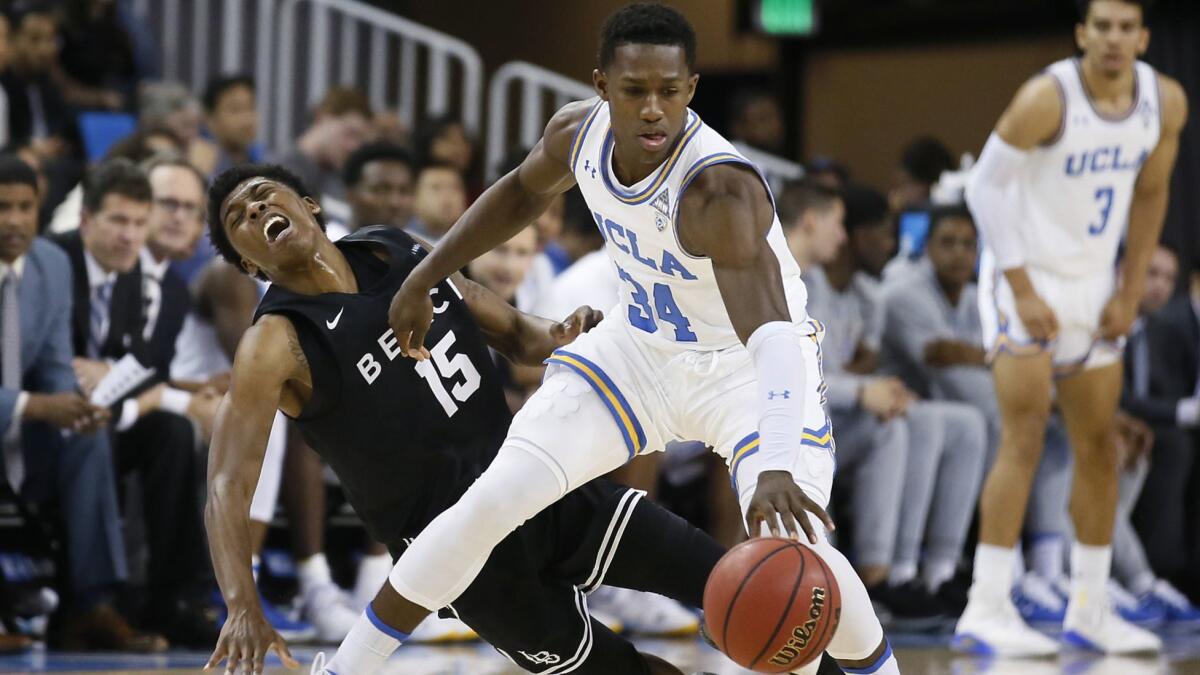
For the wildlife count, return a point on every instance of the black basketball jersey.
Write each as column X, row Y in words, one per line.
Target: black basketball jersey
column 406, row 438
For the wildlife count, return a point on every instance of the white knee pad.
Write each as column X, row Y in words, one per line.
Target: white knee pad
column 562, row 438
column 266, row 493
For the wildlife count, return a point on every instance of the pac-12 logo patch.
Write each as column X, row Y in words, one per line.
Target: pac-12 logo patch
column 662, row 204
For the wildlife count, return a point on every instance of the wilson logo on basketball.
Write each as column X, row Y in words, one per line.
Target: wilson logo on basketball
column 802, row 634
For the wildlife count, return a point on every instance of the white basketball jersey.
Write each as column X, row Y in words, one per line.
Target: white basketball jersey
column 667, row 295
column 1076, row 191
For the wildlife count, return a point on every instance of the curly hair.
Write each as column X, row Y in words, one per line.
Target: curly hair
column 647, row 23
column 225, row 183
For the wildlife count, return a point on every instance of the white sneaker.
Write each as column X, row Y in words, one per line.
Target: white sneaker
column 993, row 627
column 645, row 613
column 435, row 629
column 327, row 609
column 1095, row 626
column 372, row 575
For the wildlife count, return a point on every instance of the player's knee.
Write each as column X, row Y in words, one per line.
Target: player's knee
column 1095, row 451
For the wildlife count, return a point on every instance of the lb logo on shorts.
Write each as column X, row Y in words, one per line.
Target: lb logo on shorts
column 542, row 658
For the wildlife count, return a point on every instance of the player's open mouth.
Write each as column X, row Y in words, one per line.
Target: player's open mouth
column 653, row 141
column 276, row 228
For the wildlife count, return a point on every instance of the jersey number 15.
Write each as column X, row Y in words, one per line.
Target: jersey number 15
column 443, row 366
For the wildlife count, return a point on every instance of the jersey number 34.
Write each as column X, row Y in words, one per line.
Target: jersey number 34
column 642, row 315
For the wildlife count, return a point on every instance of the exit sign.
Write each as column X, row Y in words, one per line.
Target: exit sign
column 785, row 17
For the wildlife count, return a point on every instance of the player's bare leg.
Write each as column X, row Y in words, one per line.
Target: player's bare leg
column 991, row 624
column 1088, row 402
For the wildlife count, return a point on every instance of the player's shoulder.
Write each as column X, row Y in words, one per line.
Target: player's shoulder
column 564, row 125
column 732, row 180
column 1035, row 115
column 1041, row 93
column 267, row 350
column 1173, row 100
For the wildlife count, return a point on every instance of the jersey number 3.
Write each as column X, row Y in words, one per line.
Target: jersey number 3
column 444, row 366
column 1104, row 198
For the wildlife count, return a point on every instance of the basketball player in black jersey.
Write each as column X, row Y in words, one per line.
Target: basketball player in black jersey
column 408, row 437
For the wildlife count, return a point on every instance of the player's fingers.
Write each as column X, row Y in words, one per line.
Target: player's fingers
column 754, row 522
column 810, row 505
column 799, row 511
column 284, row 653
column 217, row 655
column 785, row 513
column 231, row 663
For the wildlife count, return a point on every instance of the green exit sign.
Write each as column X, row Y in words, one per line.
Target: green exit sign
column 786, row 17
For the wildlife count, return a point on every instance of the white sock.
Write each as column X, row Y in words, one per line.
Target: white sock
column 902, row 573
column 993, row 577
column 313, row 572
column 369, row 643
column 938, row 572
column 1142, row 583
column 373, row 572
column 1046, row 554
column 1090, row 568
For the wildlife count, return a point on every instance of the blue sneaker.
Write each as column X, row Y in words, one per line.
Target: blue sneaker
column 1038, row 602
column 292, row 630
column 1144, row 612
column 1181, row 615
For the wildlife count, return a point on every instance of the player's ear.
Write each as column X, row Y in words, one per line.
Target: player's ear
column 1081, row 36
column 313, row 207
column 249, row 268
column 1143, row 41
column 600, row 82
column 692, row 85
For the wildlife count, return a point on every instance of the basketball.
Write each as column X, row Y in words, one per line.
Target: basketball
column 772, row 605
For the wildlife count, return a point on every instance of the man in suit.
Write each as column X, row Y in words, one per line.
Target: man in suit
column 1161, row 389
column 51, row 450
column 156, row 443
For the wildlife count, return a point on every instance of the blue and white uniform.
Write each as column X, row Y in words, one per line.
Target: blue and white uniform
column 1074, row 194
column 667, row 360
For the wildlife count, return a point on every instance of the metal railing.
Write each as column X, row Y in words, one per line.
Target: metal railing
column 541, row 93
column 297, row 49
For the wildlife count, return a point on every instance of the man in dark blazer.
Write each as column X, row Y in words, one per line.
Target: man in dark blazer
column 51, row 450
column 1161, row 365
column 159, row 445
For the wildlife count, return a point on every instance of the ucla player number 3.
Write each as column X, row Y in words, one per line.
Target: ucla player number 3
column 641, row 314
column 1104, row 198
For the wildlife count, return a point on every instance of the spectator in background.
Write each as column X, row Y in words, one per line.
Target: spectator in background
column 231, row 115
column 756, row 119
column 444, row 140
column 828, row 172
column 59, row 456
column 440, row 199
column 152, row 437
column 98, row 69
column 379, row 187
column 170, row 107
column 37, row 113
column 921, row 165
column 586, row 276
column 1161, row 365
column 5, row 58
column 341, row 123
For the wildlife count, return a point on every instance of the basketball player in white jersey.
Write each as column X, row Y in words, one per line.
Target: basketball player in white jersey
column 711, row 340
column 1080, row 161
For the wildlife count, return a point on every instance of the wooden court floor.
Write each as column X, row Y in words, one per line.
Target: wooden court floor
column 1182, row 658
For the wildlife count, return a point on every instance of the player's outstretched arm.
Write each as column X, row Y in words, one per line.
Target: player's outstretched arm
column 1147, row 212
column 504, row 209
column 269, row 356
column 725, row 215
column 524, row 339
column 1034, row 117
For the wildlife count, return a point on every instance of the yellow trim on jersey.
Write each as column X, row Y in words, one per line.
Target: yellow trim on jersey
column 649, row 191
column 718, row 158
column 581, row 134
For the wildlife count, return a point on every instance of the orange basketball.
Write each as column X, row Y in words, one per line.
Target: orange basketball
column 772, row 605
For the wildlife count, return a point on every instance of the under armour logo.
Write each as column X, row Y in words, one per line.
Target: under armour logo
column 771, row 396
column 542, row 658
column 589, row 167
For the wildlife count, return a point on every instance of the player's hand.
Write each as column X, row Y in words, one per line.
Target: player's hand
column 89, row 372
column 410, row 315
column 1037, row 316
column 779, row 498
column 246, row 639
column 886, row 397
column 65, row 410
column 581, row 321
column 1134, row 439
column 1117, row 318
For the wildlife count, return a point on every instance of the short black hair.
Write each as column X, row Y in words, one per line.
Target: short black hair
column 865, row 206
column 115, row 177
column 375, row 151
column 925, row 158
column 800, row 196
column 426, row 134
column 222, row 84
column 225, row 183
column 14, row 171
column 1085, row 5
column 944, row 212
column 648, row 23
